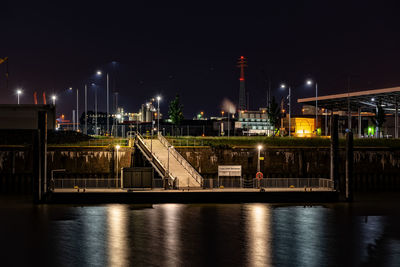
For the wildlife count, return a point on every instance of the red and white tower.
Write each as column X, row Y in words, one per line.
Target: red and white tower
column 242, row 89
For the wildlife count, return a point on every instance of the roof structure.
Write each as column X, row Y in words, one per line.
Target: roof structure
column 366, row 100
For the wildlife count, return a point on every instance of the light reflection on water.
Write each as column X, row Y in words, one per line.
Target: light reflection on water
column 258, row 237
column 203, row 235
column 117, row 219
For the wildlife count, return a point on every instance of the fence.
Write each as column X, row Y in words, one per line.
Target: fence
column 207, row 183
column 269, row 183
column 293, row 182
column 96, row 183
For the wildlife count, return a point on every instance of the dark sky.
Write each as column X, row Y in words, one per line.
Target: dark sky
column 192, row 50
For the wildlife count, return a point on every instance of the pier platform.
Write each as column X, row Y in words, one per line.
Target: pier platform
column 231, row 195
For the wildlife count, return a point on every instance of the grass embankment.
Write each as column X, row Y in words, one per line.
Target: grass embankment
column 252, row 141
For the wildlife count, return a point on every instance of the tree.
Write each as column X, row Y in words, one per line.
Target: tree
column 274, row 114
column 175, row 111
column 379, row 119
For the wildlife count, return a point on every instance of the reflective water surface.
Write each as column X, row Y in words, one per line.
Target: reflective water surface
column 197, row 235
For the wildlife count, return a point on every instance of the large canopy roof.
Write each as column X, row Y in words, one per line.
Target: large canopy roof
column 368, row 99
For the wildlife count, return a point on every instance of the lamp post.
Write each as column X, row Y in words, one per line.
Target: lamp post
column 54, row 97
column 19, row 92
column 259, row 154
column 116, row 179
column 95, row 108
column 99, row 73
column 77, row 108
column 258, row 164
column 310, row 82
column 290, row 97
column 158, row 114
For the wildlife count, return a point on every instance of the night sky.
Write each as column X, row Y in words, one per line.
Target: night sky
column 193, row 49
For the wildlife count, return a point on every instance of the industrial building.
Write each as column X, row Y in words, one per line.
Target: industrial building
column 360, row 111
column 254, row 122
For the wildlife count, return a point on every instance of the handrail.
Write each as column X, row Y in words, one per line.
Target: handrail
column 140, row 138
column 185, row 164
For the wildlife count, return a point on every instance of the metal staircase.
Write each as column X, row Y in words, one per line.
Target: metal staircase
column 168, row 162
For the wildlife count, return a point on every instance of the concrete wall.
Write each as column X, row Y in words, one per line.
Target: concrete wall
column 80, row 162
column 373, row 167
column 87, row 160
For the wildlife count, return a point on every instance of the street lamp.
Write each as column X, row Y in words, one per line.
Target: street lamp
column 77, row 107
column 19, row 92
column 116, row 179
column 95, row 107
column 259, row 147
column 158, row 114
column 54, row 97
column 310, row 82
column 99, row 73
column 283, row 86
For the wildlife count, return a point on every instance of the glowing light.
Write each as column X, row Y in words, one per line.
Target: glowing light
column 70, row 88
column 241, row 79
column 259, row 147
column 304, row 127
column 117, row 147
column 372, row 99
column 99, row 72
column 309, row 82
column 258, row 226
column 54, row 97
column 283, row 86
column 19, row 91
column 158, row 98
column 242, row 57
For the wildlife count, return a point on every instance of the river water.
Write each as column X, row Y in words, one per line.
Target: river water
column 254, row 234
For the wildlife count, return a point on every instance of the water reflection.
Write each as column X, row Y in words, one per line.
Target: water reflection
column 200, row 235
column 117, row 237
column 171, row 226
column 91, row 233
column 258, row 230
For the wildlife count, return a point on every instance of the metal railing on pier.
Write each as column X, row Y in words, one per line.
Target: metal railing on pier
column 87, row 183
column 294, row 183
column 152, row 157
column 189, row 168
column 278, row 183
column 269, row 183
column 93, row 183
